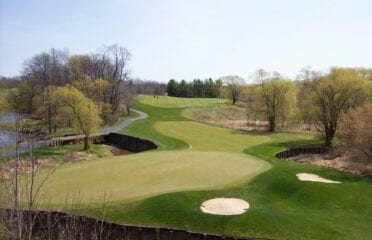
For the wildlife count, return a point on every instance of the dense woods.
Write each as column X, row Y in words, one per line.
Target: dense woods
column 207, row 88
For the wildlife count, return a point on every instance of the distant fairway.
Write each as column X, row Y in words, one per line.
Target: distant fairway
column 207, row 137
column 127, row 177
column 175, row 102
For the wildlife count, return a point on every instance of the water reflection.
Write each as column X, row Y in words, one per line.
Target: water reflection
column 9, row 117
column 7, row 138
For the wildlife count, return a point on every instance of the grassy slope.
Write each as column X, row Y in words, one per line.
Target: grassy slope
column 281, row 206
column 208, row 137
column 174, row 102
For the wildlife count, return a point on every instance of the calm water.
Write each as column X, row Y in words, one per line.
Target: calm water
column 9, row 117
column 7, row 138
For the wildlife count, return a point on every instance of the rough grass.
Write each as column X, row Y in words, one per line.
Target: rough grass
column 3, row 91
column 175, row 102
column 215, row 114
column 98, row 150
column 4, row 105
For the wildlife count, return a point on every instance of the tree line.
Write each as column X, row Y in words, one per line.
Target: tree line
column 316, row 98
column 319, row 98
column 207, row 88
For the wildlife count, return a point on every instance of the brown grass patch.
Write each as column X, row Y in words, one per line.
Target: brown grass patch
column 346, row 163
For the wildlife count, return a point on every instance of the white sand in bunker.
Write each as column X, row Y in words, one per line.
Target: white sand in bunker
column 313, row 178
column 225, row 206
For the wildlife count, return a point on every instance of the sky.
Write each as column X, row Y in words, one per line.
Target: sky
column 187, row 39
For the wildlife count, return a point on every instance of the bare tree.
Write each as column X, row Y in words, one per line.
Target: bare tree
column 20, row 186
column 48, row 68
column 234, row 85
column 356, row 132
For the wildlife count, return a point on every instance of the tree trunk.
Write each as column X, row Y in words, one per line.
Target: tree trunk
column 272, row 124
column 329, row 134
column 233, row 100
column 86, row 142
column 50, row 118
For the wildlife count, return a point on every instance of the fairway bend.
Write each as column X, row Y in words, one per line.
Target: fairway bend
column 41, row 143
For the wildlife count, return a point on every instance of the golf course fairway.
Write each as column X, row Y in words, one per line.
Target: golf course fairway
column 196, row 162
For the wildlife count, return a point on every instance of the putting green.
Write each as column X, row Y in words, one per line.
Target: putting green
column 175, row 102
column 139, row 175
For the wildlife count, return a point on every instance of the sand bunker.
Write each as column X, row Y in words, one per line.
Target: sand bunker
column 313, row 178
column 225, row 206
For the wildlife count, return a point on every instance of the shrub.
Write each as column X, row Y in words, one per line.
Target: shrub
column 356, row 132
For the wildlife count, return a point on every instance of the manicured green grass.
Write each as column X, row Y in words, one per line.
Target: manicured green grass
column 175, row 102
column 206, row 137
column 145, row 128
column 124, row 178
column 281, row 206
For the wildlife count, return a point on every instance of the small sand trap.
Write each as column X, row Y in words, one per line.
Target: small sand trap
column 313, row 178
column 225, row 206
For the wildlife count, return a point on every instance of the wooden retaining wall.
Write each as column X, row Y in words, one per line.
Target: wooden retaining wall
column 301, row 150
column 58, row 225
column 130, row 143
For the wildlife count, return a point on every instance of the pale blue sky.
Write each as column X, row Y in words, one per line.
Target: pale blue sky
column 193, row 38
